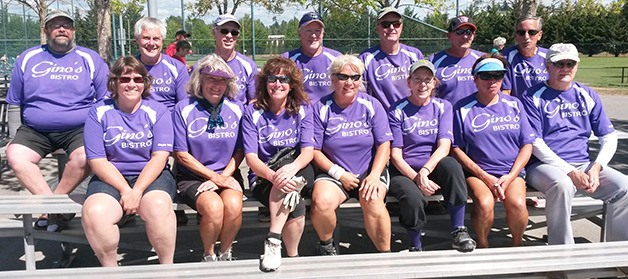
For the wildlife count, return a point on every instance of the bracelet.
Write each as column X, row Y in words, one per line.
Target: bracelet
column 428, row 170
column 336, row 171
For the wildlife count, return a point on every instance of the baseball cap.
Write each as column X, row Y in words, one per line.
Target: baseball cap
column 224, row 18
column 422, row 64
column 559, row 52
column 182, row 32
column 55, row 14
column 460, row 21
column 489, row 65
column 310, row 17
column 386, row 11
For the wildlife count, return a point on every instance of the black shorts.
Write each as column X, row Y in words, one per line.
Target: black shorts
column 262, row 193
column 164, row 182
column 188, row 184
column 45, row 143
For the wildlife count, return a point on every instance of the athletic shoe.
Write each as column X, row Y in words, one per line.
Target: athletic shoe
column 226, row 256
column 326, row 250
column 271, row 260
column 462, row 241
column 209, row 258
column 415, row 249
column 59, row 222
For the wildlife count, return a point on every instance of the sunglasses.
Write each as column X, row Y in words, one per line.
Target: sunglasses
column 281, row 79
column 532, row 32
column 128, row 79
column 344, row 77
column 68, row 26
column 467, row 32
column 387, row 24
column 491, row 75
column 562, row 64
column 226, row 31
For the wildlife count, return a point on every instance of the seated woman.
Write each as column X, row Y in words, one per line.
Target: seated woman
column 352, row 147
column 422, row 130
column 279, row 120
column 128, row 139
column 493, row 142
column 208, row 149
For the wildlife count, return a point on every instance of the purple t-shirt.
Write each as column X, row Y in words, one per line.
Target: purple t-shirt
column 213, row 148
column 169, row 80
column 492, row 136
column 349, row 136
column 386, row 75
column 56, row 91
column 456, row 80
column 316, row 80
column 417, row 129
column 565, row 119
column 246, row 71
column 524, row 72
column 265, row 133
column 127, row 140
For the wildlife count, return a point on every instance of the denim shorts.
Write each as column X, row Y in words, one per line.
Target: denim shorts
column 164, row 182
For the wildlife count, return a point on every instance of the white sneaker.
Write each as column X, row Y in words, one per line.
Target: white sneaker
column 226, row 256
column 271, row 260
column 209, row 258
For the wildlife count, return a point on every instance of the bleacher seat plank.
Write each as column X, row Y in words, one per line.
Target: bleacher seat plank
column 446, row 263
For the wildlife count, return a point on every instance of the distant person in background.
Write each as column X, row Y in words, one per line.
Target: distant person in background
column 453, row 65
column 564, row 113
column 526, row 60
column 169, row 76
column 498, row 45
column 226, row 31
column 183, row 48
column 180, row 36
column 387, row 63
column 312, row 57
column 55, row 85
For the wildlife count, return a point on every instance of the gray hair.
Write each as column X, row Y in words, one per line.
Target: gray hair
column 216, row 63
column 149, row 23
column 499, row 41
column 539, row 21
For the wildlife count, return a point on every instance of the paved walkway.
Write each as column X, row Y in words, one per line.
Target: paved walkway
column 353, row 237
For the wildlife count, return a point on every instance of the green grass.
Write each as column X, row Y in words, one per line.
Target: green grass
column 602, row 71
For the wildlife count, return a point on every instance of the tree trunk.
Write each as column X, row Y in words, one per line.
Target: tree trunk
column 103, row 26
column 42, row 17
column 527, row 7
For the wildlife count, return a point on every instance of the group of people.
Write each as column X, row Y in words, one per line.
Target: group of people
column 313, row 123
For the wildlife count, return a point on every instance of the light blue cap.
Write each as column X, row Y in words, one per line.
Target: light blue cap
column 489, row 65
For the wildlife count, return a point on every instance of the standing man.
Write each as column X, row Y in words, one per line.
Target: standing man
column 564, row 113
column 169, row 75
column 312, row 57
column 226, row 31
column 526, row 60
column 387, row 63
column 454, row 65
column 180, row 36
column 54, row 85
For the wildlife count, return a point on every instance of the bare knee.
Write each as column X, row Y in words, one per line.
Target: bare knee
column 155, row 205
column 484, row 205
column 211, row 208
column 78, row 158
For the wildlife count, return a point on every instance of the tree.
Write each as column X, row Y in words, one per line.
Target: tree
column 202, row 7
column 40, row 7
column 525, row 8
column 103, row 27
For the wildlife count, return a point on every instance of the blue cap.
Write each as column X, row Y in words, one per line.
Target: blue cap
column 489, row 65
column 309, row 17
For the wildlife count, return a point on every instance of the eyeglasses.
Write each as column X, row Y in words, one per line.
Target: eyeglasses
column 64, row 25
column 128, row 79
column 344, row 77
column 467, row 32
column 281, row 79
column 387, row 24
column 491, row 75
column 532, row 32
column 566, row 63
column 226, row 31
column 422, row 80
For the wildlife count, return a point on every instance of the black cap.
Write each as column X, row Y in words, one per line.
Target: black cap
column 461, row 21
column 310, row 17
column 182, row 32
